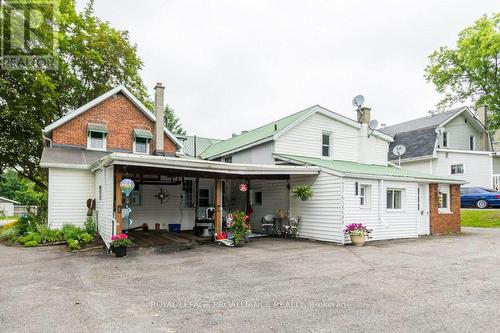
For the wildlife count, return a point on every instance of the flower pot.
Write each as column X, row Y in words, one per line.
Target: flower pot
column 358, row 240
column 120, row 251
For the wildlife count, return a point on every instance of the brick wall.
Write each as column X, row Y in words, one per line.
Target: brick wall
column 444, row 223
column 120, row 115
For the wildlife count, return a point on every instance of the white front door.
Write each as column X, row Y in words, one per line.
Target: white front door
column 423, row 209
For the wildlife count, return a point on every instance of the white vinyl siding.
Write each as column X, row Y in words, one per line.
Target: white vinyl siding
column 393, row 223
column 69, row 190
column 261, row 154
column 306, row 139
column 478, row 168
column 275, row 195
column 104, row 179
column 459, row 133
column 322, row 214
column 7, row 209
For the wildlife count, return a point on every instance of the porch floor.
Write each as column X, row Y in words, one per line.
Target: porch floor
column 163, row 238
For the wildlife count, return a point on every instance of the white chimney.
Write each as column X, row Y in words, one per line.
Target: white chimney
column 159, row 112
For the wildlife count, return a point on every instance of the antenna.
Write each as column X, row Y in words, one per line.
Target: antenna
column 372, row 125
column 358, row 101
column 398, row 151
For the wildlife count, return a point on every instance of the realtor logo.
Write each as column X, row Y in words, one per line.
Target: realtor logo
column 28, row 35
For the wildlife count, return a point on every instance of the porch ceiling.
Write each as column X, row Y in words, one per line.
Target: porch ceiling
column 161, row 165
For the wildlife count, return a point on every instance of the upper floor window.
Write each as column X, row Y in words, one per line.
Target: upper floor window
column 472, row 142
column 445, row 139
column 228, row 159
column 325, row 145
column 141, row 141
column 96, row 136
column 457, row 169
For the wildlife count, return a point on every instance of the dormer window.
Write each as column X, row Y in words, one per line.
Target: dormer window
column 141, row 141
column 96, row 136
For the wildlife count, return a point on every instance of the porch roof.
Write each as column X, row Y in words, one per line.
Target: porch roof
column 354, row 169
column 196, row 165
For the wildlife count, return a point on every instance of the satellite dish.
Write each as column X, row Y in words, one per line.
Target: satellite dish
column 358, row 101
column 399, row 150
column 439, row 130
column 373, row 124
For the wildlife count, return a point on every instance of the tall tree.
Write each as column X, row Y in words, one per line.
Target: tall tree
column 469, row 72
column 172, row 122
column 92, row 57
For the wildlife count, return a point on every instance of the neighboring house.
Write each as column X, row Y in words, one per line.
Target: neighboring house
column 7, row 207
column 452, row 144
column 90, row 150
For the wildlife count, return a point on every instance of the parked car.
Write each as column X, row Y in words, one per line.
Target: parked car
column 479, row 197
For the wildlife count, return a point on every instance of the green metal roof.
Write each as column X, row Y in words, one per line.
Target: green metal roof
column 252, row 136
column 140, row 133
column 94, row 127
column 354, row 168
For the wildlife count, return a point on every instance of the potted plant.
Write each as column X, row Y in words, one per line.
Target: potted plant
column 119, row 244
column 237, row 223
column 358, row 233
column 303, row 192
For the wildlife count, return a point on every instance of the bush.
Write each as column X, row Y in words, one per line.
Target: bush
column 26, row 225
column 71, row 231
column 32, row 236
column 86, row 238
column 90, row 226
column 73, row 244
column 50, row 235
column 32, row 243
column 9, row 234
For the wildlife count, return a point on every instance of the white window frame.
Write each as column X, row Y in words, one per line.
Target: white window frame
column 402, row 199
column 456, row 164
column 365, row 194
column 147, row 146
column 473, row 137
column 444, row 189
column 104, row 143
column 329, row 144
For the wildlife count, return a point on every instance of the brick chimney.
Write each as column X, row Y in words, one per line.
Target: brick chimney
column 160, row 114
column 364, row 115
column 484, row 140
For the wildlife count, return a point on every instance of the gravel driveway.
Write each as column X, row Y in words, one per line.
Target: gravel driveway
column 447, row 283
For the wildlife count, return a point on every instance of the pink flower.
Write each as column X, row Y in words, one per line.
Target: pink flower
column 114, row 237
column 124, row 236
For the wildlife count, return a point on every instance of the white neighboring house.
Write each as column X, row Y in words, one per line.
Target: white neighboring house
column 7, row 207
column 452, row 144
column 89, row 151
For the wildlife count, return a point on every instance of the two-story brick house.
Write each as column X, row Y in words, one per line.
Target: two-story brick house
column 90, row 150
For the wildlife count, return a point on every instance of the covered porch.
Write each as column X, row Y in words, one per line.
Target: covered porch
column 181, row 194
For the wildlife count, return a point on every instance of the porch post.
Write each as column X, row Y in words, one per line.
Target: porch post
column 218, row 205
column 118, row 201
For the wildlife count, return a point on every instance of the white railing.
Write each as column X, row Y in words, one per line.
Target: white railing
column 496, row 181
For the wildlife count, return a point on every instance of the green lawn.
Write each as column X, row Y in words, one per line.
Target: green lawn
column 9, row 218
column 485, row 218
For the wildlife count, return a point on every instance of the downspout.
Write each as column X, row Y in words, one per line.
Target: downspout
column 49, row 140
column 380, row 202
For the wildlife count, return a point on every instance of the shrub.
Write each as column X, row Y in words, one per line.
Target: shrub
column 9, row 234
column 73, row 244
column 32, row 243
column 50, row 235
column 71, row 231
column 237, row 223
column 26, row 225
column 86, row 238
column 32, row 236
column 90, row 226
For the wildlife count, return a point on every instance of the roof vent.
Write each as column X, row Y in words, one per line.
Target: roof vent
column 383, row 125
column 234, row 135
column 244, row 132
column 275, row 127
column 431, row 113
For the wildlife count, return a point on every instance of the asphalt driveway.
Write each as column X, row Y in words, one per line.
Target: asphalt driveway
column 448, row 283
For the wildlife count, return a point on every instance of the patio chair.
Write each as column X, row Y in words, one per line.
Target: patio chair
column 267, row 223
column 293, row 227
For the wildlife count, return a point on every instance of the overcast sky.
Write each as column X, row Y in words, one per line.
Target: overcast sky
column 235, row 65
